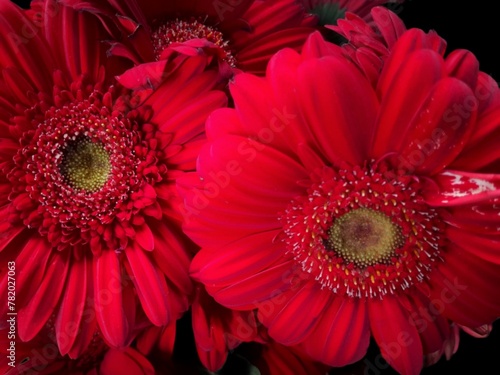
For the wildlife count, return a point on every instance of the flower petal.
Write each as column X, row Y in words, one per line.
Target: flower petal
column 125, row 361
column 331, row 89
column 453, row 188
column 342, row 336
column 150, row 285
column 440, row 128
column 467, row 287
column 35, row 314
column 237, row 260
column 109, row 299
column 283, row 325
column 403, row 97
column 72, row 304
column 258, row 290
column 397, row 338
column 480, row 245
column 231, row 191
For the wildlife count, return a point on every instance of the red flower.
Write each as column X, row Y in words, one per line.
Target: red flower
column 369, row 44
column 41, row 356
column 218, row 330
column 242, row 34
column 343, row 212
column 88, row 204
column 329, row 12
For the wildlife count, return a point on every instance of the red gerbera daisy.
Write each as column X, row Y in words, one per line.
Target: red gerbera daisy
column 242, row 34
column 342, row 212
column 41, row 356
column 331, row 11
column 88, row 200
column 218, row 330
column 369, row 44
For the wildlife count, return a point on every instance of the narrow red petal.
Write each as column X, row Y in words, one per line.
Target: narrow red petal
column 72, row 305
column 144, row 237
column 150, row 285
column 35, row 314
column 88, row 322
column 109, row 300
column 172, row 258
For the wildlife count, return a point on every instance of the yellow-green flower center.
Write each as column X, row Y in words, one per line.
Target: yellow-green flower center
column 85, row 164
column 365, row 237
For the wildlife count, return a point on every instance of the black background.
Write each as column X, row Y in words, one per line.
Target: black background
column 472, row 26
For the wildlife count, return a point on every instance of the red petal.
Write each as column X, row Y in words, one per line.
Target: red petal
column 242, row 202
column 80, row 51
column 397, row 338
column 390, row 25
column 462, row 64
column 480, row 245
column 342, row 336
column 482, row 218
column 209, row 333
column 439, row 130
column 284, row 326
column 144, row 237
column 330, row 89
column 466, row 287
column 23, row 47
column 150, row 285
column 33, row 261
column 34, row 315
column 482, row 148
column 411, row 41
column 172, row 258
column 434, row 329
column 145, row 76
column 403, row 96
column 253, row 58
column 88, row 322
column 258, row 290
column 480, row 332
column 127, row 361
column 72, row 304
column 455, row 188
column 109, row 300
column 238, row 260
column 316, row 47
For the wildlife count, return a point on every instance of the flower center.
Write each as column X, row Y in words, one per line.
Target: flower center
column 85, row 164
column 363, row 231
column 82, row 170
column 180, row 31
column 365, row 237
